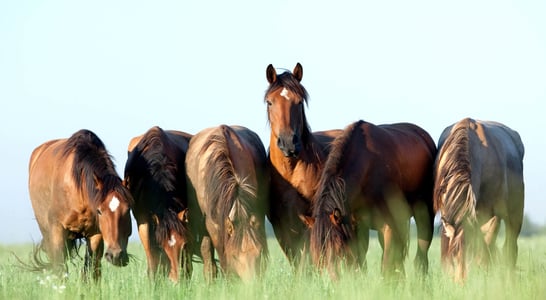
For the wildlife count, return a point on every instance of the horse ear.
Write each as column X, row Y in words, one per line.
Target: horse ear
column 335, row 216
column 298, row 72
column 183, row 215
column 98, row 183
column 155, row 218
column 307, row 220
column 271, row 74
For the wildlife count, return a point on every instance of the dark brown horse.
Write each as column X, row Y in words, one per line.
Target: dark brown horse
column 156, row 176
column 478, row 182
column 227, row 168
column 375, row 177
column 296, row 157
column 76, row 193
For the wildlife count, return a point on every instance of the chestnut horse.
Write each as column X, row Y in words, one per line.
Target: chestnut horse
column 478, row 182
column 76, row 193
column 376, row 177
column 227, row 169
column 296, row 157
column 156, row 176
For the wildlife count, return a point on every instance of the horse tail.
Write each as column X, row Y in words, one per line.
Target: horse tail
column 453, row 192
column 39, row 263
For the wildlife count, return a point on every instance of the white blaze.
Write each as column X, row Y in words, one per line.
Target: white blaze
column 284, row 93
column 114, row 204
column 172, row 241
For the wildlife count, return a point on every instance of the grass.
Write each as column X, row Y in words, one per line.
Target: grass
column 279, row 282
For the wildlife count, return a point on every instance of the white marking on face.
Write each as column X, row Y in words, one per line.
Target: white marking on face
column 284, row 93
column 114, row 204
column 172, row 241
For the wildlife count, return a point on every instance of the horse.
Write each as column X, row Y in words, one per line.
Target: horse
column 296, row 157
column 478, row 183
column 155, row 175
column 375, row 177
column 77, row 194
column 226, row 166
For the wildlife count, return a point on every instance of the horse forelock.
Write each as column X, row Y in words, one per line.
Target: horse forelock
column 91, row 163
column 169, row 223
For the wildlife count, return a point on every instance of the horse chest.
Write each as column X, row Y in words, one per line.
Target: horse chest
column 82, row 221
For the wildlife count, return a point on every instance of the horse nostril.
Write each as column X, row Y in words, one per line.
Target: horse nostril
column 109, row 256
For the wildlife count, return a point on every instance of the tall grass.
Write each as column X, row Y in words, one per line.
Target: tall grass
column 279, row 282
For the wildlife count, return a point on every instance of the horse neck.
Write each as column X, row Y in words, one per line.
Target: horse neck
column 302, row 172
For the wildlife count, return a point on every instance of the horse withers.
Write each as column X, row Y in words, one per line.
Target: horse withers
column 478, row 183
column 296, row 157
column 376, row 177
column 156, row 176
column 227, row 169
column 76, row 193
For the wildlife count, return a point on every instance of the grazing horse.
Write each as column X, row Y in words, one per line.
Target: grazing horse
column 76, row 193
column 375, row 177
column 156, row 176
column 227, row 168
column 478, row 182
column 296, row 157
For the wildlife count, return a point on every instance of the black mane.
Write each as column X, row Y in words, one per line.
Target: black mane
column 93, row 162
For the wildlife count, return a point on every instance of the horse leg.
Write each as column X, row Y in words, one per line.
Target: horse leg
column 386, row 237
column 510, row 248
column 424, row 221
column 490, row 230
column 512, row 224
column 93, row 256
column 363, row 236
column 186, row 263
column 55, row 246
column 150, row 249
column 207, row 252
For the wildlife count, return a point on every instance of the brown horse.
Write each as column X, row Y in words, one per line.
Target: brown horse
column 478, row 182
column 227, row 168
column 76, row 193
column 156, row 176
column 296, row 158
column 375, row 177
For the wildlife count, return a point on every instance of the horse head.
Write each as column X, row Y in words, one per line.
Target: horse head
column 115, row 226
column 285, row 98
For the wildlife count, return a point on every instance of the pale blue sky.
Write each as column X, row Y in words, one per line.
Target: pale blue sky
column 120, row 67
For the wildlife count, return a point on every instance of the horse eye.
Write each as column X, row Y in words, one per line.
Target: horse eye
column 99, row 212
column 268, row 102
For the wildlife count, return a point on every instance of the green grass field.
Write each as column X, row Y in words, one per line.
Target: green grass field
column 279, row 282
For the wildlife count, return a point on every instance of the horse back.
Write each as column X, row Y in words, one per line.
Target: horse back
column 412, row 153
column 52, row 190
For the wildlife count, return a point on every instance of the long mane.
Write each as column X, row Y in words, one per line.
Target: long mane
column 93, row 162
column 151, row 162
column 226, row 188
column 331, row 195
column 453, row 193
column 288, row 81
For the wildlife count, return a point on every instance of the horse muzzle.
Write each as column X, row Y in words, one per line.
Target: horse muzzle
column 290, row 145
column 118, row 258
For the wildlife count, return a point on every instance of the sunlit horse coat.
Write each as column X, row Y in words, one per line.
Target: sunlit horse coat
column 478, row 182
